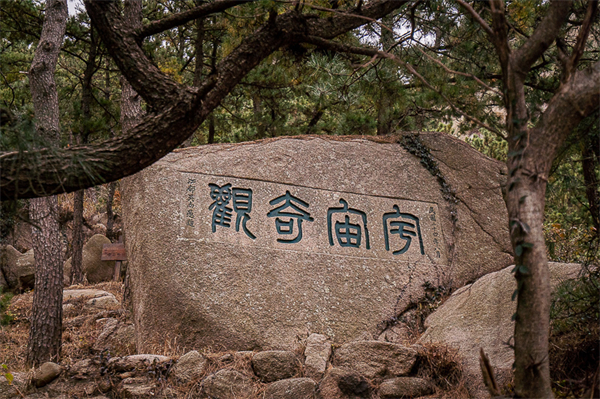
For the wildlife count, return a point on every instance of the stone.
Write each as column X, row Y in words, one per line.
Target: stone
column 317, row 354
column 189, row 367
column 45, row 374
column 405, row 387
column 255, row 283
column 136, row 388
column 375, row 359
column 479, row 316
column 105, row 302
column 117, row 338
column 226, row 384
column 84, row 369
column 84, row 294
column 94, row 269
column 275, row 365
column 132, row 362
column 344, row 384
column 18, row 268
column 292, row 388
column 93, row 299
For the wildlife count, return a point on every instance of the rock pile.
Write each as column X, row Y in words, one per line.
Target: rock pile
column 356, row 370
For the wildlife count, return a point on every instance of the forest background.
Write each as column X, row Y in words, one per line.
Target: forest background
column 449, row 80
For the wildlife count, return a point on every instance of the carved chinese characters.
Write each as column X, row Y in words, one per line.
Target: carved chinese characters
column 277, row 216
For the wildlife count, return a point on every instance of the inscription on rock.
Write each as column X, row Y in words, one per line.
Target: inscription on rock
column 282, row 217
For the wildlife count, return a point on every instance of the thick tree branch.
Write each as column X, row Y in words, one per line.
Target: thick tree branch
column 543, row 36
column 147, row 80
column 181, row 18
column 500, row 36
column 575, row 100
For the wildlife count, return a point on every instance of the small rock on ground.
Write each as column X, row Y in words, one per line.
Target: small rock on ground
column 405, row 387
column 275, row 365
column 292, row 388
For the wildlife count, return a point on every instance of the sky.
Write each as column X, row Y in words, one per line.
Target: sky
column 74, row 5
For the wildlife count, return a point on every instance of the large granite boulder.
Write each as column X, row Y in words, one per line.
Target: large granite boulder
column 250, row 245
column 18, row 268
column 94, row 269
column 479, row 315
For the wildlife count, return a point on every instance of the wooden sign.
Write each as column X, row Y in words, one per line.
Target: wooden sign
column 113, row 252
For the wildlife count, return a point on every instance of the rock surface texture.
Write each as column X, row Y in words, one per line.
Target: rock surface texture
column 275, row 365
column 375, row 359
column 316, row 353
column 479, row 316
column 247, row 246
column 292, row 388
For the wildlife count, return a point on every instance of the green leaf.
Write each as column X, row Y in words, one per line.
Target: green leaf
column 519, row 250
column 527, row 245
column 514, row 317
column 514, row 295
column 523, row 269
column 9, row 377
column 4, row 366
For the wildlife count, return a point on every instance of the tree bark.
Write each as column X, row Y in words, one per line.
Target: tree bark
column 46, row 319
column 110, row 217
column 77, row 258
column 131, row 107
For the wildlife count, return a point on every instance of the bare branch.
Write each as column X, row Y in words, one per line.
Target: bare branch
column 468, row 75
column 372, row 52
column 181, row 18
column 340, row 12
column 477, row 18
column 584, row 32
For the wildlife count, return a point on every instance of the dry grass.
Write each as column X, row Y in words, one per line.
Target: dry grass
column 78, row 339
column 441, row 365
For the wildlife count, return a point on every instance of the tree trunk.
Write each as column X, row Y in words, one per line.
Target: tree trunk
column 86, row 100
column 46, row 318
column 77, row 259
column 110, row 217
column 199, row 62
column 131, row 107
column 525, row 202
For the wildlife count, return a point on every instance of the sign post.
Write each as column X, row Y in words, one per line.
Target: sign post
column 117, row 253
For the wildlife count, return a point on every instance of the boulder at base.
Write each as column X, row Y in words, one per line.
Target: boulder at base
column 247, row 246
column 18, row 268
column 94, row 269
column 479, row 316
